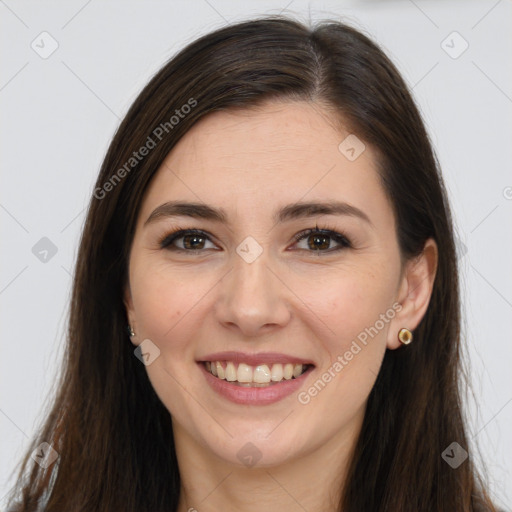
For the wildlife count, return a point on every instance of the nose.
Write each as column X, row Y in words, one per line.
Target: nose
column 253, row 299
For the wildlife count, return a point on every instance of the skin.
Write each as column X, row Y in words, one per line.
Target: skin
column 296, row 302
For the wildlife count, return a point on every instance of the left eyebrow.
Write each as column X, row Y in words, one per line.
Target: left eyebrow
column 307, row 210
column 289, row 212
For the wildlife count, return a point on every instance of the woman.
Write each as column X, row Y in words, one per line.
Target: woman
column 265, row 309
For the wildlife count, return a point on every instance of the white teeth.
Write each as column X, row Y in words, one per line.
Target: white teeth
column 230, row 372
column 261, row 375
column 220, row 370
column 277, row 372
column 244, row 373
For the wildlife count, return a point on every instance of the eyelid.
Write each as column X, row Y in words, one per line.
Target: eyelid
column 339, row 237
column 178, row 233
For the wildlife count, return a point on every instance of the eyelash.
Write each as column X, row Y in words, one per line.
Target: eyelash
column 344, row 243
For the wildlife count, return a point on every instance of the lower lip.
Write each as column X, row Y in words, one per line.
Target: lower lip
column 254, row 396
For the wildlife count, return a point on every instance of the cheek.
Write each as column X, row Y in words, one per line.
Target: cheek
column 172, row 306
column 349, row 304
column 168, row 307
column 164, row 303
column 346, row 311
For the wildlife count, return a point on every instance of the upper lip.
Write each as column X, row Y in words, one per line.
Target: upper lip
column 255, row 359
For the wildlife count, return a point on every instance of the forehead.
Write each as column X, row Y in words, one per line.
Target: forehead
column 253, row 160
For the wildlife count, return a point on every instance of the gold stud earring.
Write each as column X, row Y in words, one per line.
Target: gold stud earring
column 405, row 336
column 130, row 331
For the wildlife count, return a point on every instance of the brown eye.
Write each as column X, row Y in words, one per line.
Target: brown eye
column 185, row 240
column 318, row 240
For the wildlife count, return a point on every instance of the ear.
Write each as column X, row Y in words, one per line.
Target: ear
column 127, row 298
column 414, row 292
column 130, row 312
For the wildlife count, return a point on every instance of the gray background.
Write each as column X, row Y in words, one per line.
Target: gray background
column 60, row 112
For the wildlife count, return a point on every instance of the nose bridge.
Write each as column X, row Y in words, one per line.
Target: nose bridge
column 251, row 274
column 251, row 295
column 251, row 280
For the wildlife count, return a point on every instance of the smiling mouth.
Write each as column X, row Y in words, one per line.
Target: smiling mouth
column 263, row 375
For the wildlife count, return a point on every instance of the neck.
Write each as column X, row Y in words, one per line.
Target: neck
column 313, row 481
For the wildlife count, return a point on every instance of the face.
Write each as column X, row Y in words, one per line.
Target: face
column 296, row 319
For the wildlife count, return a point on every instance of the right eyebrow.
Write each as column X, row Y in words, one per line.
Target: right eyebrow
column 286, row 213
column 186, row 209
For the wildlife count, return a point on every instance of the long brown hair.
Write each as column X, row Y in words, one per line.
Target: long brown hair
column 112, row 433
